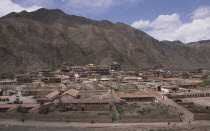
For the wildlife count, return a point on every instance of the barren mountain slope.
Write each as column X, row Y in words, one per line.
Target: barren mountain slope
column 47, row 38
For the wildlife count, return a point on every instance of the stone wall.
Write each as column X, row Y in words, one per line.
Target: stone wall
column 95, row 107
column 148, row 118
column 202, row 116
column 103, row 117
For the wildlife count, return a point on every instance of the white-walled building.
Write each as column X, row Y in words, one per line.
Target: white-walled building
column 169, row 89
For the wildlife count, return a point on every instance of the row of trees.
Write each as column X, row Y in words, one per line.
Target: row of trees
column 7, row 75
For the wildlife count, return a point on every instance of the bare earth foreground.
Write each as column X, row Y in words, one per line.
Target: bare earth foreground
column 11, row 125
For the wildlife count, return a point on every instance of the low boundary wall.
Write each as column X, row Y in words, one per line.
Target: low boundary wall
column 149, row 118
column 72, row 117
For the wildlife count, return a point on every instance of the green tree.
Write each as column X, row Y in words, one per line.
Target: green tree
column 22, row 109
column 185, row 75
column 61, row 105
column 8, row 75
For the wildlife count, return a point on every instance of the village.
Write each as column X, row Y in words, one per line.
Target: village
column 97, row 94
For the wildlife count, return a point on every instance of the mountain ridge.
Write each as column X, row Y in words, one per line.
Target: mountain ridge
column 47, row 38
column 172, row 42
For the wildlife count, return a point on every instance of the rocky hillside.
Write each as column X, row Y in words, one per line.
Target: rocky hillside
column 47, row 38
column 172, row 42
column 200, row 44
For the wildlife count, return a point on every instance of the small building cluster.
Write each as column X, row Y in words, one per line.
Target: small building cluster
column 107, row 93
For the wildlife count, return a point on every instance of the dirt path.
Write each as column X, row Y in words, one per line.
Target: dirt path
column 186, row 115
column 10, row 125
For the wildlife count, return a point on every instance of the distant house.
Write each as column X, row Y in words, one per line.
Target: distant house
column 7, row 82
column 51, row 80
column 8, row 93
column 85, row 105
column 90, row 66
column 12, row 107
column 65, row 70
column 105, row 79
column 137, row 97
column 101, row 71
column 130, row 79
column 169, row 89
column 83, row 79
column 157, row 75
column 48, row 77
column 53, row 95
column 1, row 92
column 188, row 86
column 23, row 79
column 190, row 95
column 115, row 66
column 109, row 79
column 70, row 94
column 49, row 97
column 83, row 75
column 30, row 92
column 197, row 94
column 4, row 100
column 77, row 69
column 196, row 76
column 46, row 74
column 71, row 77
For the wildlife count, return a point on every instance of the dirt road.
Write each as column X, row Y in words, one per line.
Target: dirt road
column 14, row 125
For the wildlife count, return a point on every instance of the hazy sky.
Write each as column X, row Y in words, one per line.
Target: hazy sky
column 185, row 20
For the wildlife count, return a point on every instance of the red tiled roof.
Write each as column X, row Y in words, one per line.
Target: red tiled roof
column 52, row 94
column 71, row 92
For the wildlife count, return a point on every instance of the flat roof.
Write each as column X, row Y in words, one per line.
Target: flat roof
column 135, row 96
column 170, row 87
column 74, row 101
column 130, row 78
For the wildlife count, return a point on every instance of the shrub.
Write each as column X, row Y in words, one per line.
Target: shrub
column 22, row 109
column 119, row 109
column 143, row 112
column 185, row 75
column 205, row 82
column 114, row 117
